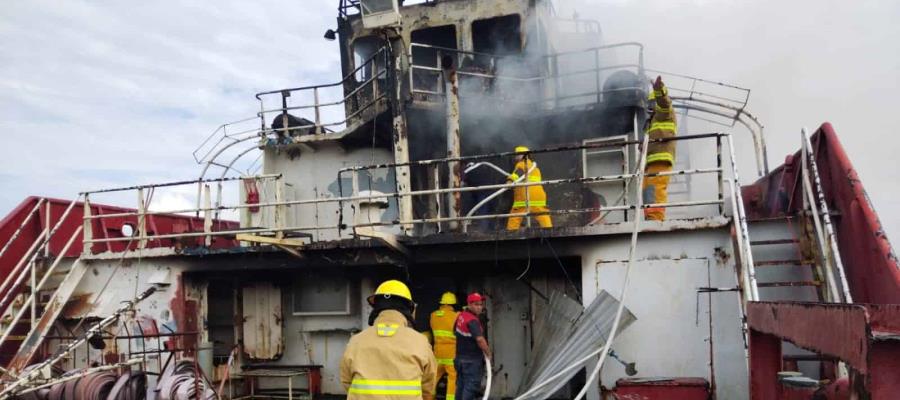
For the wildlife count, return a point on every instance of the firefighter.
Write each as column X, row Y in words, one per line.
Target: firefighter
column 389, row 359
column 471, row 348
column 660, row 155
column 442, row 321
column 536, row 199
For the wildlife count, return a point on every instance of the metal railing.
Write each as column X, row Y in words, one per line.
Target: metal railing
column 356, row 197
column 26, row 279
column 817, row 209
column 373, row 71
column 542, row 75
column 580, row 77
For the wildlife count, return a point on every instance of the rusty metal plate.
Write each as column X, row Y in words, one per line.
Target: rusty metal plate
column 837, row 330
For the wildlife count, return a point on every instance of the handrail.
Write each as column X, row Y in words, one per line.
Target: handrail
column 41, row 243
column 741, row 229
column 25, row 221
column 344, row 79
column 30, row 301
column 27, row 256
column 280, row 226
column 828, row 247
column 692, row 95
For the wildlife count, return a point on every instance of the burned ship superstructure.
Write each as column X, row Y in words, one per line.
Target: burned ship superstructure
column 401, row 169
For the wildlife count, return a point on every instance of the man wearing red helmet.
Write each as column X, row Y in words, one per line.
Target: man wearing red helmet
column 471, row 348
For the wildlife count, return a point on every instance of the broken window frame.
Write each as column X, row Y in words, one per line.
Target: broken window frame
column 348, row 288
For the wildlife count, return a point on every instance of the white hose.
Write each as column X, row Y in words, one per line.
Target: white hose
column 604, row 351
column 638, row 217
column 487, row 387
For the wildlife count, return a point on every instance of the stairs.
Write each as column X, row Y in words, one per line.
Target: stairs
column 35, row 290
column 785, row 272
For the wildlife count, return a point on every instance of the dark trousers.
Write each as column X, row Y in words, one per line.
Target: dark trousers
column 468, row 378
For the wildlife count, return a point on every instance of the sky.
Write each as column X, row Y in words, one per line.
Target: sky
column 97, row 94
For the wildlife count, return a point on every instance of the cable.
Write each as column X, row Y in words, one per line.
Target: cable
column 562, row 267
column 528, row 264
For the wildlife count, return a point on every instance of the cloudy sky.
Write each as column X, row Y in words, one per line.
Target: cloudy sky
column 96, row 94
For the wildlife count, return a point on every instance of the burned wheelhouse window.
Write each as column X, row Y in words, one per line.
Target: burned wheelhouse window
column 439, row 36
column 499, row 36
column 367, row 58
column 370, row 7
column 321, row 295
column 425, row 55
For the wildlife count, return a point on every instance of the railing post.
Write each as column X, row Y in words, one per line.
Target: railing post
column 354, row 192
column 597, row 70
column 207, row 215
column 375, row 82
column 33, row 289
column 316, row 108
column 47, row 222
column 87, row 231
column 437, row 196
column 142, row 219
column 720, row 175
column 280, row 208
column 454, row 169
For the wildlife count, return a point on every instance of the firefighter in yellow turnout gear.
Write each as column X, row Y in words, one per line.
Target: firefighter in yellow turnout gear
column 527, row 198
column 389, row 360
column 442, row 322
column 660, row 155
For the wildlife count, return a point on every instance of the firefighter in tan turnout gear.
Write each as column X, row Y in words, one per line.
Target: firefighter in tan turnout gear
column 389, row 359
column 660, row 155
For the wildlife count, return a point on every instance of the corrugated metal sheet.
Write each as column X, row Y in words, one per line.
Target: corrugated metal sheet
column 561, row 340
column 263, row 339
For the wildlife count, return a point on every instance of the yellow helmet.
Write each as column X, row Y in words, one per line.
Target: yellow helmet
column 521, row 149
column 391, row 288
column 448, row 298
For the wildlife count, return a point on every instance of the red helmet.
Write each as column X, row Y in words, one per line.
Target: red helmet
column 473, row 297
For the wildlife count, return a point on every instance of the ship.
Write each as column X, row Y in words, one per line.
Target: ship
column 761, row 282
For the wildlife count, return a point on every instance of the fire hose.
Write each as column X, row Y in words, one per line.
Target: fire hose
column 487, row 387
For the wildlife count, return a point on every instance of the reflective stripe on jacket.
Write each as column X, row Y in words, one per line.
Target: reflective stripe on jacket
column 388, row 361
column 442, row 322
column 536, row 195
column 662, row 125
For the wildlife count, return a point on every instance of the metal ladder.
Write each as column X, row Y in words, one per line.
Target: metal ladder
column 28, row 284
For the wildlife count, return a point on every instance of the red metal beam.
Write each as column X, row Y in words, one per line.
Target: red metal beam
column 765, row 362
column 837, row 330
column 883, row 381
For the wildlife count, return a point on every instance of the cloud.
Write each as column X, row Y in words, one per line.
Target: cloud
column 95, row 95
column 806, row 62
column 99, row 94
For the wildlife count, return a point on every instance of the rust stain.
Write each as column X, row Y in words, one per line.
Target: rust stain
column 78, row 306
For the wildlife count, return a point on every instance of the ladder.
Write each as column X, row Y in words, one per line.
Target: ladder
column 32, row 295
